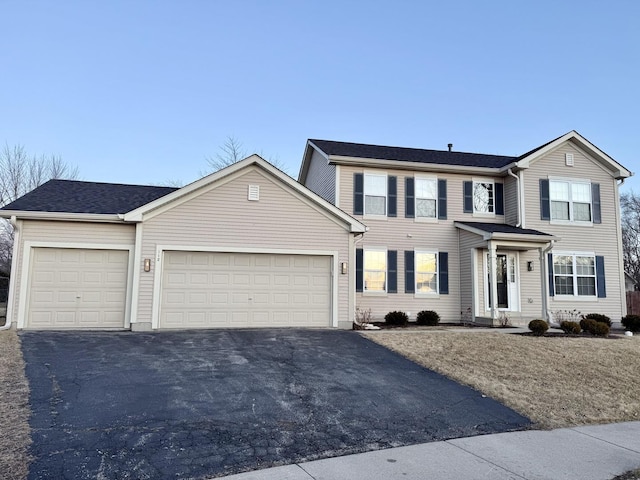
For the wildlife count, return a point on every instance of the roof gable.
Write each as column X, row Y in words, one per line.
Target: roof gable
column 74, row 196
column 220, row 177
column 616, row 169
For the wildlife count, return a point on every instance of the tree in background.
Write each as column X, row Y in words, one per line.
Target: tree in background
column 19, row 174
column 232, row 151
column 630, row 206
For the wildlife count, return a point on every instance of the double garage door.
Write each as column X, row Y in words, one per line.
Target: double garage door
column 87, row 288
column 207, row 289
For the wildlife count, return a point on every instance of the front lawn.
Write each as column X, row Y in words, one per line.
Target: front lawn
column 555, row 381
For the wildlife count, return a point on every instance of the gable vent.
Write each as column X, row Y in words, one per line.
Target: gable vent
column 568, row 159
column 254, row 193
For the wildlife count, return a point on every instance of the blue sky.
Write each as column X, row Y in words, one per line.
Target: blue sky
column 143, row 91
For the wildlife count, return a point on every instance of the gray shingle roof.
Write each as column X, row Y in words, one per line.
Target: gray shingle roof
column 73, row 196
column 503, row 228
column 438, row 157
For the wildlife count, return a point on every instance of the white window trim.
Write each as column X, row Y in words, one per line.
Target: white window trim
column 375, row 293
column 575, row 296
column 473, row 204
column 374, row 173
column 415, row 200
column 415, row 274
column 571, row 221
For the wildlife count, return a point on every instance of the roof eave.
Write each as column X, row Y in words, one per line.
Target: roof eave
column 402, row 165
column 63, row 216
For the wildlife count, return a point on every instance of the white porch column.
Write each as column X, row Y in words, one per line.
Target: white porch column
column 493, row 261
column 544, row 284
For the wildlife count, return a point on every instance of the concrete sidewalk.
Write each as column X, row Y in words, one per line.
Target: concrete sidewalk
column 597, row 452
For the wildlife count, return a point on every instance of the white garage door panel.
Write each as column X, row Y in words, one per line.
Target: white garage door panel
column 77, row 288
column 206, row 289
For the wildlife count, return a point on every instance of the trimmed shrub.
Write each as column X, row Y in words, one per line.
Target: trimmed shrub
column 396, row 318
column 631, row 323
column 538, row 327
column 600, row 329
column 571, row 328
column 428, row 317
column 598, row 317
column 586, row 324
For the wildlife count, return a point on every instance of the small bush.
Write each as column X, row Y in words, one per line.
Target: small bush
column 600, row 329
column 400, row 319
column 586, row 324
column 631, row 323
column 571, row 328
column 598, row 317
column 538, row 327
column 428, row 317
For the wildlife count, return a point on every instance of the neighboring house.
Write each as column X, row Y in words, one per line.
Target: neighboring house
column 246, row 246
column 547, row 222
column 630, row 284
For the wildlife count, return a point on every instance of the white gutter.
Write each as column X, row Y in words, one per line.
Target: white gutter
column 12, row 275
column 510, row 172
column 63, row 216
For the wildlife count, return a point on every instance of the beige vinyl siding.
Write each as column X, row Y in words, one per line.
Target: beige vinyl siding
column 400, row 233
column 321, row 177
column 601, row 239
column 467, row 242
column 67, row 233
column 510, row 201
column 222, row 218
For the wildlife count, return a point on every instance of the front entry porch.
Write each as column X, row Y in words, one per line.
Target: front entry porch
column 506, row 263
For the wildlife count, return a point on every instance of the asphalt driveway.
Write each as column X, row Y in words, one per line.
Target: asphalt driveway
column 210, row 403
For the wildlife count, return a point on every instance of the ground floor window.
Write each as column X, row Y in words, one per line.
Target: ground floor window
column 426, row 272
column 574, row 274
column 375, row 271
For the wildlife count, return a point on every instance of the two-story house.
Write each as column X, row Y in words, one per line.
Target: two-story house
column 440, row 223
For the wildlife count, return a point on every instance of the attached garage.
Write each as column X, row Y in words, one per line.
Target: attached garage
column 77, row 288
column 244, row 247
column 225, row 289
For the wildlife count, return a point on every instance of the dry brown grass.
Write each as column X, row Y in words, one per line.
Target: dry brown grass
column 15, row 436
column 556, row 382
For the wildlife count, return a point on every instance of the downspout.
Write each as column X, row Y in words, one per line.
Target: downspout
column 16, row 241
column 510, row 172
column 544, row 274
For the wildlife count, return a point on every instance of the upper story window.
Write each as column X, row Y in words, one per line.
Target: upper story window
column 483, row 197
column 375, row 270
column 426, row 193
column 375, row 194
column 570, row 201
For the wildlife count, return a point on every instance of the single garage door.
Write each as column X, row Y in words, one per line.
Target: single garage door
column 205, row 290
column 77, row 288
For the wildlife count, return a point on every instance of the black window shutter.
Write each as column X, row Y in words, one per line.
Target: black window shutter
column 392, row 195
column 359, row 269
column 409, row 198
column 468, row 197
column 545, row 205
column 392, row 271
column 499, row 198
column 443, row 273
column 442, row 199
column 409, row 276
column 552, row 289
column 600, row 281
column 358, row 193
column 595, row 200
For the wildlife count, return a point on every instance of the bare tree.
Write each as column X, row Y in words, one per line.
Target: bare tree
column 232, row 151
column 630, row 206
column 19, row 174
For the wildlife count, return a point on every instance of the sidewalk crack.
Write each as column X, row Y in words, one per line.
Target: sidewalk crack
column 485, row 460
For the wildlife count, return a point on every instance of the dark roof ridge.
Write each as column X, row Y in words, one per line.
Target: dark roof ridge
column 111, row 183
column 416, row 149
